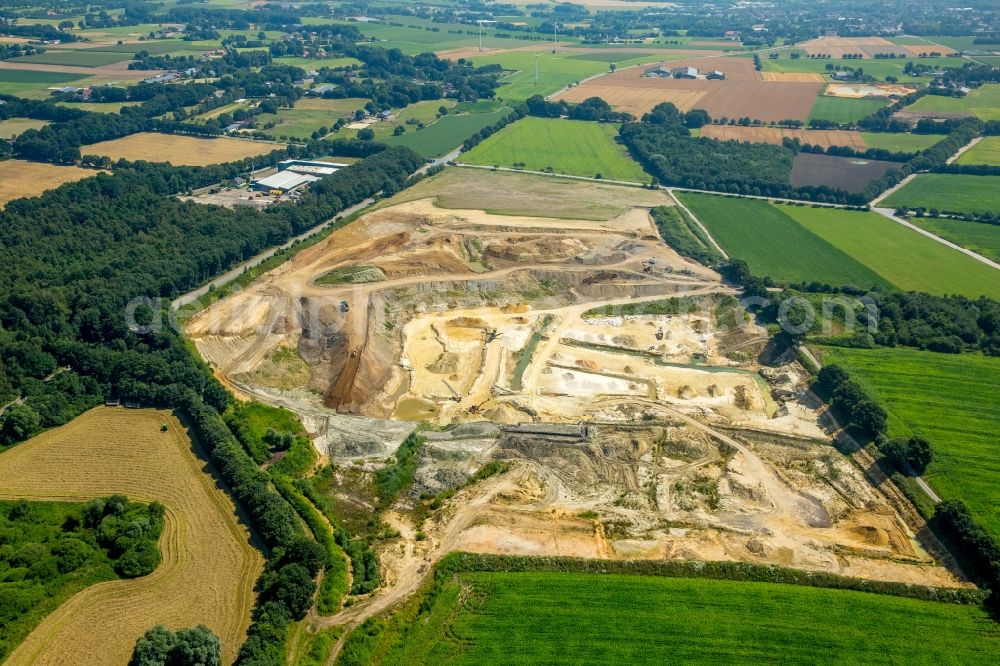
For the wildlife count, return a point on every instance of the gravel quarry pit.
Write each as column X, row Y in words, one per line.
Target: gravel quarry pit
column 618, row 382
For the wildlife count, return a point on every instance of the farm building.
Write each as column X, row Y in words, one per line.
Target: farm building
column 284, row 181
column 318, row 91
column 659, row 70
column 162, row 78
column 685, row 72
column 715, row 75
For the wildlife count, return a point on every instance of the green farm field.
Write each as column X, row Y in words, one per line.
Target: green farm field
column 877, row 68
column 901, row 256
column 75, row 58
column 957, row 43
column 946, row 398
column 98, row 107
column 958, row 193
column 447, row 133
column 842, row 109
column 987, row 152
column 568, row 618
column 900, row 142
column 975, row 236
column 34, row 84
column 752, row 230
column 418, row 35
column 316, row 63
column 983, row 102
column 308, row 115
column 153, row 47
column 573, row 147
column 555, row 70
column 425, row 112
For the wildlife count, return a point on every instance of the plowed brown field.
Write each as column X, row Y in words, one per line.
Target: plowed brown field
column 743, row 93
column 209, row 567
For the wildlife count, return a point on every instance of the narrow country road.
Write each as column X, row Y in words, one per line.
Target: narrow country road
column 701, row 226
column 891, row 214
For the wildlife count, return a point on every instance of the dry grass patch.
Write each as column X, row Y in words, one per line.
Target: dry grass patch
column 506, row 193
column 29, row 179
column 179, row 150
column 209, row 567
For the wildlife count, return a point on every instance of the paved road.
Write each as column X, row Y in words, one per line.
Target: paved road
column 253, row 262
column 701, row 226
column 891, row 214
column 966, row 147
column 877, row 200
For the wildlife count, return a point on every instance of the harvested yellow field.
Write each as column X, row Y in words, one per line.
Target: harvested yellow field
column 209, row 567
column 793, row 77
column 774, row 135
column 29, row 179
column 178, row 150
column 11, row 127
column 922, row 49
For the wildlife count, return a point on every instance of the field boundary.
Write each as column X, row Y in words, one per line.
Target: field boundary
column 459, row 561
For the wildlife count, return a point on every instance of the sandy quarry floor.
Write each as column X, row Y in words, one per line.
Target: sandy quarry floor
column 633, row 430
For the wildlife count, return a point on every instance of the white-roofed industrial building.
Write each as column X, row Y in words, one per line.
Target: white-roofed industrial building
column 284, row 181
column 311, row 167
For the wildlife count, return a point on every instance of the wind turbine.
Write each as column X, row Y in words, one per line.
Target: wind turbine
column 555, row 27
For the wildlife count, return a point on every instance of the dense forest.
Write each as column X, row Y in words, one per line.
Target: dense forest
column 75, row 257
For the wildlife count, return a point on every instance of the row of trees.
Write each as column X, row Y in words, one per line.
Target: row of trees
column 485, row 133
column 850, row 401
column 592, row 108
